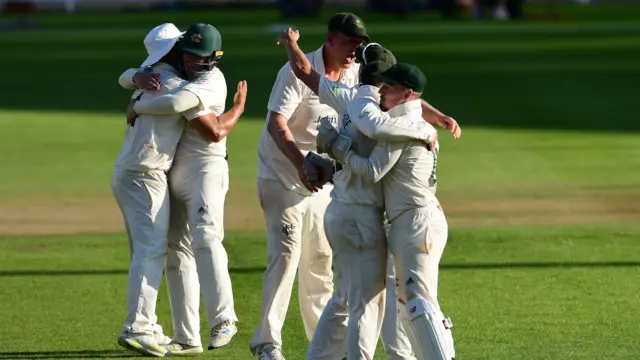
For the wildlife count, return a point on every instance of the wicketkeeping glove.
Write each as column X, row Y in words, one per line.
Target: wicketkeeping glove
column 319, row 170
column 331, row 142
column 326, row 135
column 339, row 149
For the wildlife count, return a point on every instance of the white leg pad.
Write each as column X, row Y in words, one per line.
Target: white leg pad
column 429, row 331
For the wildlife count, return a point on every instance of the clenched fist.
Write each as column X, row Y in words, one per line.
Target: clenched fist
column 288, row 36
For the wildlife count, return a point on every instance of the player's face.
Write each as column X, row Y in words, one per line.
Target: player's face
column 343, row 48
column 392, row 95
column 192, row 65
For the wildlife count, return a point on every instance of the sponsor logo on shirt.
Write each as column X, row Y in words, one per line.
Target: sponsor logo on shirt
column 332, row 119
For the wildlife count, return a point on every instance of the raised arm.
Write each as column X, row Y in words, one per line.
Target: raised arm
column 300, row 65
column 215, row 128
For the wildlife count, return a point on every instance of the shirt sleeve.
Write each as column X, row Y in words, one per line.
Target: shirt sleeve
column 126, row 79
column 211, row 90
column 378, row 164
column 286, row 93
column 378, row 125
column 335, row 94
column 180, row 102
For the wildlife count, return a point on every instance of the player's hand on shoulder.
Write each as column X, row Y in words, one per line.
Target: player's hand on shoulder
column 147, row 81
column 240, row 98
column 288, row 36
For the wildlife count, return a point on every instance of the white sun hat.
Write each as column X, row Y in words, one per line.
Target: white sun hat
column 159, row 41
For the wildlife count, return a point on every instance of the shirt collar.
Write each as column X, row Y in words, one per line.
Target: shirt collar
column 318, row 61
column 369, row 92
column 410, row 107
column 347, row 75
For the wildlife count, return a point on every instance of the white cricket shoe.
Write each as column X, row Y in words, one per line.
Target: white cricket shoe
column 221, row 334
column 176, row 349
column 142, row 344
column 269, row 352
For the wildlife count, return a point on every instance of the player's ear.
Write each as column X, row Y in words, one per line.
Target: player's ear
column 408, row 95
column 331, row 38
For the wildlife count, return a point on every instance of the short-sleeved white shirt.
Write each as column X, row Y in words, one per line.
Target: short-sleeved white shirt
column 295, row 101
column 211, row 89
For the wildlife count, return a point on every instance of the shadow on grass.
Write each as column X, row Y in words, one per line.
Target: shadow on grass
column 260, row 269
column 79, row 354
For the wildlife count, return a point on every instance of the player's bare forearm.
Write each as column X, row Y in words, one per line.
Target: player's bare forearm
column 302, row 67
column 215, row 128
column 298, row 61
column 280, row 133
column 435, row 117
column 430, row 114
column 228, row 120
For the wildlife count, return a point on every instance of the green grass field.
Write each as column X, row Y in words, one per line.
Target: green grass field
column 542, row 192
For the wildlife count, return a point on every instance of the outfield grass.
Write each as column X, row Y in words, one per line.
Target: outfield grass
column 513, row 293
column 542, row 192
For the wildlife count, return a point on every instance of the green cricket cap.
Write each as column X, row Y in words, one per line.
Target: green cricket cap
column 406, row 75
column 201, row 40
column 375, row 59
column 349, row 24
column 375, row 53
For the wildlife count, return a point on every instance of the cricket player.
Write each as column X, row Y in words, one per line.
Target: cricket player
column 196, row 55
column 199, row 182
column 418, row 228
column 293, row 208
column 338, row 96
column 354, row 225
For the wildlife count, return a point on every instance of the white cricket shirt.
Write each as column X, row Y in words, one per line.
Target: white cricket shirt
column 364, row 123
column 295, row 101
column 150, row 143
column 211, row 89
column 407, row 169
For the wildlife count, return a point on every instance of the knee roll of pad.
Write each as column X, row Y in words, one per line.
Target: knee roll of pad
column 428, row 330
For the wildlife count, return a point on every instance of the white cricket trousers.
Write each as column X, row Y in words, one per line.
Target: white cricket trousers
column 394, row 338
column 357, row 237
column 198, row 189
column 296, row 241
column 143, row 199
column 417, row 239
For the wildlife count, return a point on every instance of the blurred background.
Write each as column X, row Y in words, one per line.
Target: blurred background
column 542, row 192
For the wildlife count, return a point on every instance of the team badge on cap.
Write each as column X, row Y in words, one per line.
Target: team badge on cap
column 196, row 38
